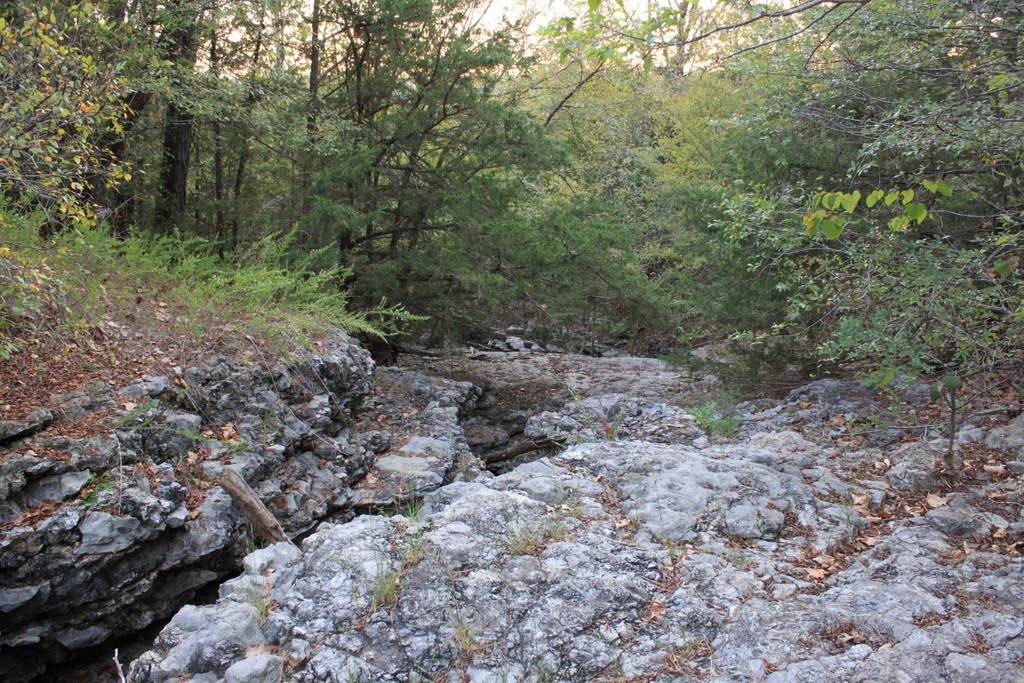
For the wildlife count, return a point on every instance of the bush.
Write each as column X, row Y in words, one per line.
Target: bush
column 77, row 278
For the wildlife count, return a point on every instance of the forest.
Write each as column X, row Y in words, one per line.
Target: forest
column 835, row 184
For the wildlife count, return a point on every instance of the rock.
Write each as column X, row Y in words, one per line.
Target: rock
column 1010, row 437
column 36, row 421
column 483, row 437
column 630, row 556
column 147, row 387
column 519, row 385
column 13, row 598
column 825, row 406
column 479, row 528
column 616, row 416
column 747, row 521
column 171, row 435
column 152, row 530
column 102, row 532
column 914, row 467
column 57, row 487
column 654, row 553
column 75, row 404
column 261, row 668
column 436, row 452
column 76, row 639
column 205, row 642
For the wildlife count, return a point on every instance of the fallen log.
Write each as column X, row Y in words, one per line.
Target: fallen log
column 262, row 520
column 523, row 447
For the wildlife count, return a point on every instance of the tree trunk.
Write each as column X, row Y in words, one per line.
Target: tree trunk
column 251, row 99
column 179, row 46
column 311, row 111
column 218, row 153
column 177, row 146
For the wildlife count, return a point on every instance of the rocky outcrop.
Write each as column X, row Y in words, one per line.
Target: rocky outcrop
column 111, row 518
column 617, row 417
column 521, row 383
column 420, row 445
column 640, row 559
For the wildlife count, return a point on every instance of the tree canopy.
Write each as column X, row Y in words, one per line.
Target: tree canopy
column 834, row 180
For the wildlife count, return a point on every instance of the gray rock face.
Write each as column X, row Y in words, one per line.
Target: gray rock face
column 36, row 421
column 825, row 407
column 1010, row 437
column 914, row 467
column 617, row 416
column 422, row 444
column 518, row 386
column 629, row 560
column 104, row 534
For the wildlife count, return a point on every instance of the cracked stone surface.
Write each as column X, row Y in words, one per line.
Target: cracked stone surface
column 631, row 560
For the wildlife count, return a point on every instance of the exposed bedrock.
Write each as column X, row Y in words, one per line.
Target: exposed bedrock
column 633, row 559
column 118, row 525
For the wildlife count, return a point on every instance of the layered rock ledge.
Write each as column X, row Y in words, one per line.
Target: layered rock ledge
column 110, row 513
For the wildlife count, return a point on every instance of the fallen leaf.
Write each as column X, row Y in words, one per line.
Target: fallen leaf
column 622, row 523
column 825, row 560
column 935, row 501
column 861, row 501
column 816, row 574
column 658, row 610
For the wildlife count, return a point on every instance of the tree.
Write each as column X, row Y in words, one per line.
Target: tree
column 57, row 100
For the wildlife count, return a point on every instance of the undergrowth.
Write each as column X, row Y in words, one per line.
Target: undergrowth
column 69, row 283
column 713, row 420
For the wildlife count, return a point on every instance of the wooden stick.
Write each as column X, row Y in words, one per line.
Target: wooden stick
column 264, row 523
column 522, row 447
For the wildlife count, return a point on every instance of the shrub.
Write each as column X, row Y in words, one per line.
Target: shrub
column 266, row 290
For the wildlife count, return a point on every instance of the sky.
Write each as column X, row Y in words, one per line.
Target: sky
column 546, row 10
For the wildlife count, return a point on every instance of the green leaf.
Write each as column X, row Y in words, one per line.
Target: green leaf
column 880, row 377
column 998, row 81
column 930, row 185
column 906, row 196
column 812, row 219
column 899, row 223
column 849, row 201
column 891, row 197
column 917, row 212
column 832, row 227
column 945, row 189
column 951, row 382
column 1002, row 267
column 935, row 391
column 874, row 198
column 830, row 201
column 594, row 5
